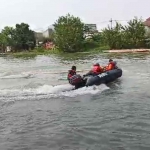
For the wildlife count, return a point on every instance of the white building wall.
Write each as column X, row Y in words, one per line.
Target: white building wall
column 47, row 33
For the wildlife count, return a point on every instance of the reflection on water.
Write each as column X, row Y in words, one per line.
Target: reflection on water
column 42, row 112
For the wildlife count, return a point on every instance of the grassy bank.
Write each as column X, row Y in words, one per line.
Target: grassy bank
column 78, row 55
column 40, row 51
column 34, row 53
column 92, row 51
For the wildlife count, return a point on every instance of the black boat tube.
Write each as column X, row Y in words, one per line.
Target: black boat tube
column 104, row 78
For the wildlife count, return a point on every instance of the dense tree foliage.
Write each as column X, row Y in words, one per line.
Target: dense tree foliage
column 132, row 35
column 69, row 33
column 24, row 37
column 72, row 35
column 19, row 38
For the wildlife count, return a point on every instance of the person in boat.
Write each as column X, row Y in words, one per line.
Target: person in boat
column 111, row 65
column 73, row 78
column 71, row 72
column 97, row 69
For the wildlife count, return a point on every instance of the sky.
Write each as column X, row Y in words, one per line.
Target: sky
column 40, row 14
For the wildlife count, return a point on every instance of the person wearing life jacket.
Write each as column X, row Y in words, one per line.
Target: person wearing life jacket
column 71, row 72
column 73, row 78
column 97, row 69
column 111, row 65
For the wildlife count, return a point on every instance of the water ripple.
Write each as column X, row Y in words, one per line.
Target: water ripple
column 36, row 116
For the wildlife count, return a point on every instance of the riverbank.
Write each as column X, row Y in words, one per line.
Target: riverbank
column 128, row 51
column 36, row 52
column 32, row 53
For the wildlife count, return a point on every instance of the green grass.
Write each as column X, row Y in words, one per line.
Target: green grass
column 41, row 51
column 77, row 55
column 34, row 53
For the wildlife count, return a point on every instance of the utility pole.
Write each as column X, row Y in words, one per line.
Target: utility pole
column 111, row 22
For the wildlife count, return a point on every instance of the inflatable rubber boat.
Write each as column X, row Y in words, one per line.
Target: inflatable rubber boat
column 103, row 78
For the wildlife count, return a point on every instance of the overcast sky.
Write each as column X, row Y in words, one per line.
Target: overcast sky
column 39, row 14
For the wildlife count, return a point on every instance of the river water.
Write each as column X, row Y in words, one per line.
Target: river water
column 39, row 111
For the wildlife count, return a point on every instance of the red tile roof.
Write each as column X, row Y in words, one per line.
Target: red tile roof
column 147, row 22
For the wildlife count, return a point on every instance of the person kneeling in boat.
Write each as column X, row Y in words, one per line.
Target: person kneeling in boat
column 72, row 72
column 74, row 79
column 111, row 65
column 97, row 69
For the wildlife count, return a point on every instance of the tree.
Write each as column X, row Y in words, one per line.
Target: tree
column 7, row 37
column 69, row 33
column 135, row 33
column 97, row 37
column 20, row 38
column 113, row 36
column 131, row 35
column 24, row 37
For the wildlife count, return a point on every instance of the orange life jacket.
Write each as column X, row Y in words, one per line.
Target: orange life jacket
column 110, row 66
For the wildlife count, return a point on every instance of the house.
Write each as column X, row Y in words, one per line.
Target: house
column 40, row 36
column 147, row 22
column 47, row 33
column 91, row 29
column 147, row 26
